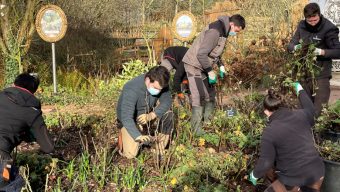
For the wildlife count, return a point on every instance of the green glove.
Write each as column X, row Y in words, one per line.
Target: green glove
column 252, row 178
column 297, row 47
column 212, row 77
column 297, row 87
column 222, row 71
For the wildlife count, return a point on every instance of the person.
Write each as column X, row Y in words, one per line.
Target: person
column 138, row 109
column 20, row 120
column 172, row 59
column 287, row 143
column 205, row 51
column 316, row 29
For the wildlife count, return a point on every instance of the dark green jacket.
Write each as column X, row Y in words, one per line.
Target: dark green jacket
column 136, row 100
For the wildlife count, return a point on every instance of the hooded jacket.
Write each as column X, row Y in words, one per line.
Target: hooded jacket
column 209, row 45
column 175, row 55
column 20, row 119
column 325, row 35
column 287, row 143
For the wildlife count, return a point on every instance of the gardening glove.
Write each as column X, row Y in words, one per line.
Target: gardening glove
column 222, row 71
column 181, row 98
column 145, row 118
column 297, row 47
column 212, row 77
column 143, row 139
column 297, row 87
column 318, row 51
column 252, row 178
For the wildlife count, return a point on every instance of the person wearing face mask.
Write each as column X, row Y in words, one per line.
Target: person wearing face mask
column 205, row 51
column 144, row 100
column 316, row 29
column 287, row 152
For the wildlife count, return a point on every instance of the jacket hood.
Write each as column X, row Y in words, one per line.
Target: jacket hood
column 22, row 97
column 225, row 21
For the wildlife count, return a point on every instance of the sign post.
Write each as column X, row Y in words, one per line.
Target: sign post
column 51, row 24
column 184, row 26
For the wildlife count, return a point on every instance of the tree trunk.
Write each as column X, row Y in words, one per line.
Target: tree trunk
column 17, row 29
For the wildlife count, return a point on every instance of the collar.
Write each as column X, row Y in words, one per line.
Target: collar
column 23, row 89
column 281, row 112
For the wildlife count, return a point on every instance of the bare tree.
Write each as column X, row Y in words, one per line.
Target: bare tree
column 17, row 29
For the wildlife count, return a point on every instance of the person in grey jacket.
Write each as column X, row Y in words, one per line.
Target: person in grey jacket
column 316, row 29
column 144, row 99
column 205, row 51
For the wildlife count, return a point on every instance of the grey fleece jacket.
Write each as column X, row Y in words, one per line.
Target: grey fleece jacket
column 136, row 100
column 208, row 45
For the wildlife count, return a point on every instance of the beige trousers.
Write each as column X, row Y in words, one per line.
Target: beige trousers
column 129, row 148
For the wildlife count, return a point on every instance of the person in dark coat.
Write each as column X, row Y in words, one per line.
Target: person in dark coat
column 20, row 120
column 172, row 59
column 318, row 30
column 287, row 146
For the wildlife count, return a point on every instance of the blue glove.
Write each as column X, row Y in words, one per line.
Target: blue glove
column 297, row 87
column 252, row 178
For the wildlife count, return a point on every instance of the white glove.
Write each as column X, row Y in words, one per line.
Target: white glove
column 212, row 75
column 143, row 139
column 222, row 69
column 318, row 51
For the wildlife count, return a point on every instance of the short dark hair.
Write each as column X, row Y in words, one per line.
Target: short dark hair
column 272, row 101
column 29, row 81
column 238, row 20
column 160, row 74
column 311, row 10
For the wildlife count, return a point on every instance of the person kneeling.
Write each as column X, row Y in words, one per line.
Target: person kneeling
column 145, row 100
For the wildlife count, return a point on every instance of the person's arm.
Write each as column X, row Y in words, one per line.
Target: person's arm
column 267, row 156
column 209, row 43
column 178, row 78
column 295, row 40
column 40, row 133
column 165, row 103
column 307, row 106
column 333, row 44
column 127, row 110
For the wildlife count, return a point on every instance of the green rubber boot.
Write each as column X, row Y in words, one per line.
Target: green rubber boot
column 208, row 111
column 196, row 120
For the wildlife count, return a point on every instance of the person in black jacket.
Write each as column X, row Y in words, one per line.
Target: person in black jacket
column 172, row 59
column 20, row 120
column 287, row 146
column 321, row 32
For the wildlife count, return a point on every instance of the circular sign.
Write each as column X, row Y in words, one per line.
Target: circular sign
column 184, row 26
column 51, row 23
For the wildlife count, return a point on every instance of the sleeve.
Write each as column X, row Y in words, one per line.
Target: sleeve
column 165, row 103
column 129, row 100
column 295, row 40
column 307, row 106
column 41, row 135
column 333, row 44
column 178, row 77
column 209, row 43
column 267, row 156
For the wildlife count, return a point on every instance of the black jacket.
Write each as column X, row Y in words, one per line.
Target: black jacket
column 287, row 144
column 21, row 118
column 326, row 36
column 175, row 55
